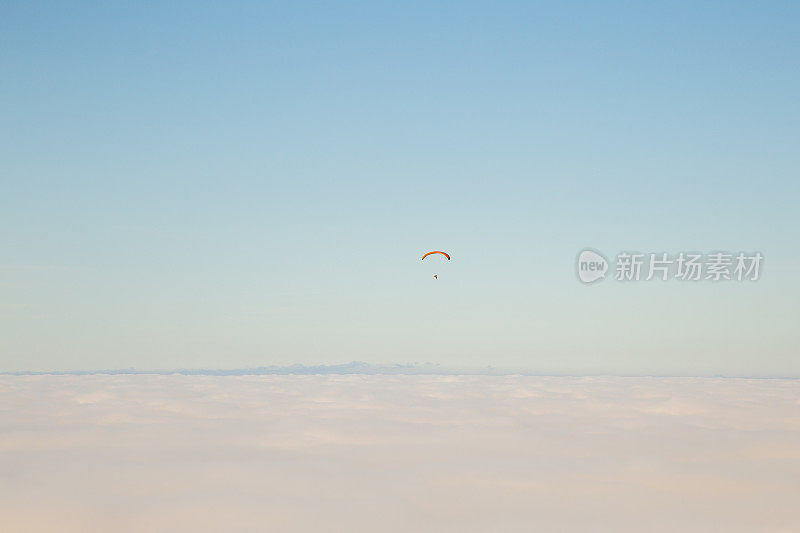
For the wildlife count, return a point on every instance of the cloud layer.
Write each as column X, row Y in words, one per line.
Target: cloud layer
column 397, row 453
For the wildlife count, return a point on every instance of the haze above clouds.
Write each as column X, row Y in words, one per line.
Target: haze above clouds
column 398, row 453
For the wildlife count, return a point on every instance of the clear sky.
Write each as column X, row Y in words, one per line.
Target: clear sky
column 227, row 184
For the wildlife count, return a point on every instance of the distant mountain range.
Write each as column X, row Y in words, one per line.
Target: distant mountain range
column 355, row 367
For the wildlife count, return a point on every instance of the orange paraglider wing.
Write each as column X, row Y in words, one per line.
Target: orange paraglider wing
column 437, row 252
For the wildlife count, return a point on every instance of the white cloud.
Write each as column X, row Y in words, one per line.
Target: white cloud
column 397, row 453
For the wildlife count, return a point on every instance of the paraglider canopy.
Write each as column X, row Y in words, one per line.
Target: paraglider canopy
column 437, row 252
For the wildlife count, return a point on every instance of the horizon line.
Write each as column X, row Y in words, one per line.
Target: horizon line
column 362, row 368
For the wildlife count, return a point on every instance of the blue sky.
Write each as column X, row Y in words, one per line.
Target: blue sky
column 226, row 184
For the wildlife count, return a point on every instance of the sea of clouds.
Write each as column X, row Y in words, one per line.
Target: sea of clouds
column 397, row 453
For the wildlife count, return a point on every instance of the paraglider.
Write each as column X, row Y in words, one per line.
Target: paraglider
column 436, row 276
